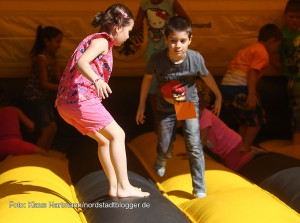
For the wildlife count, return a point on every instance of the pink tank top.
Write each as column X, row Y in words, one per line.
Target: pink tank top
column 74, row 87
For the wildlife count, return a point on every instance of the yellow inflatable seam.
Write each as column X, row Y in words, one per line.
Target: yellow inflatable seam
column 230, row 197
column 190, row 217
column 73, row 192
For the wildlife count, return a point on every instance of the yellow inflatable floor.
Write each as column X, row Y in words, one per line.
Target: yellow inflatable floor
column 281, row 146
column 230, row 197
column 36, row 188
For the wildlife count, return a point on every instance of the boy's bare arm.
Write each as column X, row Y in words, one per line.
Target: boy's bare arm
column 211, row 83
column 146, row 84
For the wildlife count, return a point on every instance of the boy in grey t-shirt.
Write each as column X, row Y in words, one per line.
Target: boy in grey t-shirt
column 177, row 68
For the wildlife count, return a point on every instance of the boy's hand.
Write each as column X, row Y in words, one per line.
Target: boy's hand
column 216, row 108
column 30, row 129
column 140, row 117
column 251, row 101
column 103, row 89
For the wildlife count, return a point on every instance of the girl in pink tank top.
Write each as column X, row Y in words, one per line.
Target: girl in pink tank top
column 83, row 86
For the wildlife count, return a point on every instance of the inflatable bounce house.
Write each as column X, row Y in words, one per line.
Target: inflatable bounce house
column 68, row 185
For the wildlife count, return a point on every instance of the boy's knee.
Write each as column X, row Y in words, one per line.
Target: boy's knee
column 51, row 129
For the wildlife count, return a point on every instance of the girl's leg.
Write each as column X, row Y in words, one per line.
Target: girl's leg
column 47, row 136
column 114, row 159
column 296, row 138
column 104, row 158
column 235, row 159
column 249, row 137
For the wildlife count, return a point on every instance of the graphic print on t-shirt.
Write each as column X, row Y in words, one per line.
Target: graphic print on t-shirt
column 173, row 91
column 157, row 21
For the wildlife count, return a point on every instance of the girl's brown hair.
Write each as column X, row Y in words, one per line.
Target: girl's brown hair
column 115, row 15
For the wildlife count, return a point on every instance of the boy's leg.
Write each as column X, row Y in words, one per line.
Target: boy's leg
column 166, row 135
column 254, row 119
column 196, row 157
column 295, row 104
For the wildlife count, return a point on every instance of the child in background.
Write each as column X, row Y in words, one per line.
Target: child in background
column 157, row 14
column 83, row 86
column 11, row 142
column 289, row 52
column 218, row 137
column 178, row 67
column 44, row 77
column 239, row 84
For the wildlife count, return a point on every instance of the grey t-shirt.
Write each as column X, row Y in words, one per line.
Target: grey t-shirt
column 184, row 73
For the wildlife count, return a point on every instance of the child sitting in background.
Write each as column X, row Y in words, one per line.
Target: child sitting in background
column 11, row 142
column 218, row 137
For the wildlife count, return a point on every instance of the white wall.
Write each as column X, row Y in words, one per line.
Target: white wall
column 221, row 28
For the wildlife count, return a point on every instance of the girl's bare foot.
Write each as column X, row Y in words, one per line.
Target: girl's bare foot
column 131, row 192
column 112, row 192
column 257, row 151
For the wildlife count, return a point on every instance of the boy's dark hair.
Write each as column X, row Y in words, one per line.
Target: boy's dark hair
column 268, row 32
column 178, row 24
column 292, row 6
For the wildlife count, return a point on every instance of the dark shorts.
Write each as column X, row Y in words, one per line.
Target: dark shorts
column 40, row 112
column 234, row 99
column 294, row 102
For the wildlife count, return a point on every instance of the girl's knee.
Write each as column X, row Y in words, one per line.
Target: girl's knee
column 118, row 133
column 118, row 136
column 122, row 134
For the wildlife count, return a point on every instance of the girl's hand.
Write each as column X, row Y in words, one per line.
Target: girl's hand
column 103, row 88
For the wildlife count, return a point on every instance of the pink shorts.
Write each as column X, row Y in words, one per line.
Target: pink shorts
column 87, row 116
column 16, row 146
